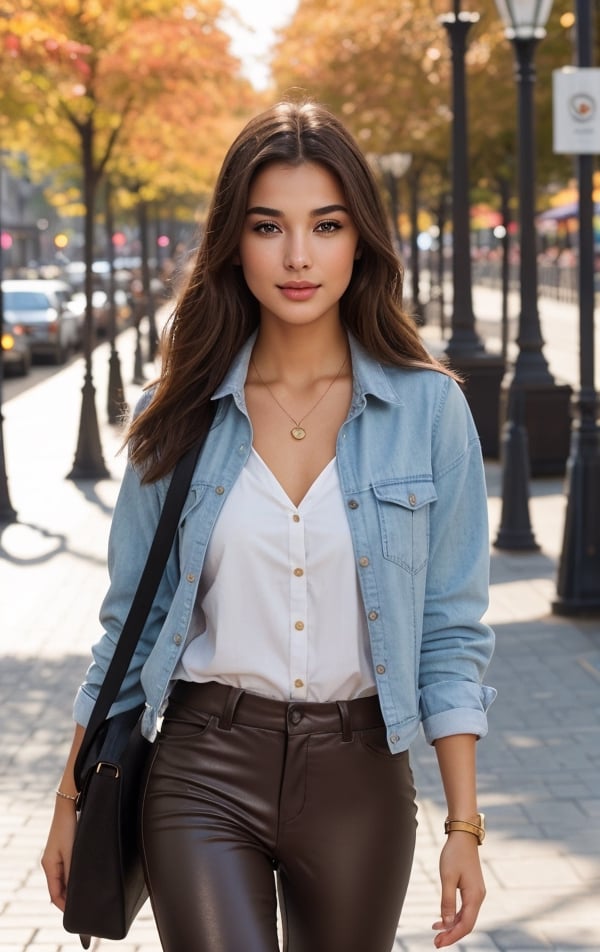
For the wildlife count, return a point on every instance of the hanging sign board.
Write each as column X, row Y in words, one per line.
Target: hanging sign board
column 576, row 110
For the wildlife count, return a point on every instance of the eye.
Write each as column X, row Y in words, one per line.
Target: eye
column 266, row 228
column 328, row 227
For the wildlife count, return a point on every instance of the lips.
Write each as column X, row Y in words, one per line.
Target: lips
column 298, row 290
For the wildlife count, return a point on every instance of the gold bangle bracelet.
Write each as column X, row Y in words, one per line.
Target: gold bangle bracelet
column 465, row 826
column 66, row 796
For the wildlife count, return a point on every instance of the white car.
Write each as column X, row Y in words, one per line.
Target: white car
column 40, row 307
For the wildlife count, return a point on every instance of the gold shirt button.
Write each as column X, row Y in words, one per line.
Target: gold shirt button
column 298, row 573
column 296, row 517
column 363, row 561
column 298, row 683
column 299, row 626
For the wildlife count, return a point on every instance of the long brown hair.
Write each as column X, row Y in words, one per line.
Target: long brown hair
column 217, row 313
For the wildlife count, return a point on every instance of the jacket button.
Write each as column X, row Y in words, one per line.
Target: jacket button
column 191, row 578
column 177, row 639
column 363, row 561
column 380, row 669
column 394, row 738
column 220, row 490
column 373, row 616
column 353, row 504
column 412, row 499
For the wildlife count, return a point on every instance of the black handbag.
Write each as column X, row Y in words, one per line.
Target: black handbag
column 106, row 887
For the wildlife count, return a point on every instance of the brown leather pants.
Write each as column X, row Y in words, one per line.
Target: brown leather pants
column 241, row 786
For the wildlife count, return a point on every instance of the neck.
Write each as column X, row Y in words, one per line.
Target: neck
column 300, row 354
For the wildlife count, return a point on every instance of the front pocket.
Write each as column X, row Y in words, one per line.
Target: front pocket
column 403, row 510
column 182, row 724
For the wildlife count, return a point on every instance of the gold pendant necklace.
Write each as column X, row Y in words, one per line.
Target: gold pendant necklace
column 298, row 432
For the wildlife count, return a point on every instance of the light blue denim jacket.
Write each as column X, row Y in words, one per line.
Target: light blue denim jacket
column 411, row 474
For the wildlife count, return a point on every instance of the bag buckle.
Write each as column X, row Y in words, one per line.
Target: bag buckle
column 114, row 767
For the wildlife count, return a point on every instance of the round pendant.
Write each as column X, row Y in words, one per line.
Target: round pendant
column 298, row 432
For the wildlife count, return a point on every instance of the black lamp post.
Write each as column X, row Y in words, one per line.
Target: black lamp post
column 578, row 588
column 464, row 338
column 542, row 398
column 525, row 22
column 88, row 462
column 116, row 404
column 392, row 166
column 465, row 349
column 7, row 513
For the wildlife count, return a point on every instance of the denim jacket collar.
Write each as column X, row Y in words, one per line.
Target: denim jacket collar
column 369, row 376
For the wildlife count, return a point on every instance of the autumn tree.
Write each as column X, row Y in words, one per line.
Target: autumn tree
column 87, row 74
column 384, row 67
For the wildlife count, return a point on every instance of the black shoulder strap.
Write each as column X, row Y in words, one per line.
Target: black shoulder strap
column 143, row 598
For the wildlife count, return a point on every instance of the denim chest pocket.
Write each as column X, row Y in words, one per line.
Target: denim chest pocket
column 403, row 510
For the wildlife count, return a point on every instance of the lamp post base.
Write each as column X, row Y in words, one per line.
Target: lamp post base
column 515, row 532
column 116, row 404
column 547, row 419
column 88, row 462
column 483, row 374
column 578, row 587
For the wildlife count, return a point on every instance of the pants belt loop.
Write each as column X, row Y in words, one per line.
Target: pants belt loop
column 346, row 722
column 231, row 702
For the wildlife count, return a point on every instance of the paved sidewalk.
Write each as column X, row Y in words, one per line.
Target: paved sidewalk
column 539, row 768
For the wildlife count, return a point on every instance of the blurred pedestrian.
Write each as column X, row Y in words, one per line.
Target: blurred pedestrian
column 325, row 593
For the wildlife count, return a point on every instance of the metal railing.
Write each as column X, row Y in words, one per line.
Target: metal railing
column 555, row 280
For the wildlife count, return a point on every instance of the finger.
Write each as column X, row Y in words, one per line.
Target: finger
column 56, row 884
column 463, row 924
column 448, row 904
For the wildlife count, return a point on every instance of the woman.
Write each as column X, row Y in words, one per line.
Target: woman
column 325, row 594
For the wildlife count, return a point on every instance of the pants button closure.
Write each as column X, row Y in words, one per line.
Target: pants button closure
column 295, row 715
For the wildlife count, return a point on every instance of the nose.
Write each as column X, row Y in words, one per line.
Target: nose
column 297, row 253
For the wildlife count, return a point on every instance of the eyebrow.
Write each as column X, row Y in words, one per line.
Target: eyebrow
column 276, row 213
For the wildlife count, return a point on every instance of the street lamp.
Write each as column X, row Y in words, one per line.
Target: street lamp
column 543, row 398
column 578, row 586
column 524, row 23
column 116, row 405
column 7, row 512
column 392, row 166
column 464, row 339
column 482, row 372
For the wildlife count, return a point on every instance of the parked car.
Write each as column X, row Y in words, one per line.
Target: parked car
column 40, row 308
column 16, row 352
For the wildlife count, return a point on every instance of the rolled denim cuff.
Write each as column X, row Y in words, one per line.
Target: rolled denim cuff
column 455, row 707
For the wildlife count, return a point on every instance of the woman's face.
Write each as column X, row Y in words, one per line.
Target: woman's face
column 298, row 243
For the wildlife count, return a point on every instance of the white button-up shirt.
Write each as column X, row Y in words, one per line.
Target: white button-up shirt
column 279, row 610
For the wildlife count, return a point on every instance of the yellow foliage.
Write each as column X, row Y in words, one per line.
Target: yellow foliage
column 153, row 83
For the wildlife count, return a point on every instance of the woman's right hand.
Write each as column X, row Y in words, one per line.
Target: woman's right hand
column 56, row 858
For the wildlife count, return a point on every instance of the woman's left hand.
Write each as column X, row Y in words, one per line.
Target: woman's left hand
column 460, row 871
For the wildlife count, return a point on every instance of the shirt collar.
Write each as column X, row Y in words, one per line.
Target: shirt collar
column 369, row 375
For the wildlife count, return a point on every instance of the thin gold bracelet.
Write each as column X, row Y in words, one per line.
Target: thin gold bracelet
column 66, row 796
